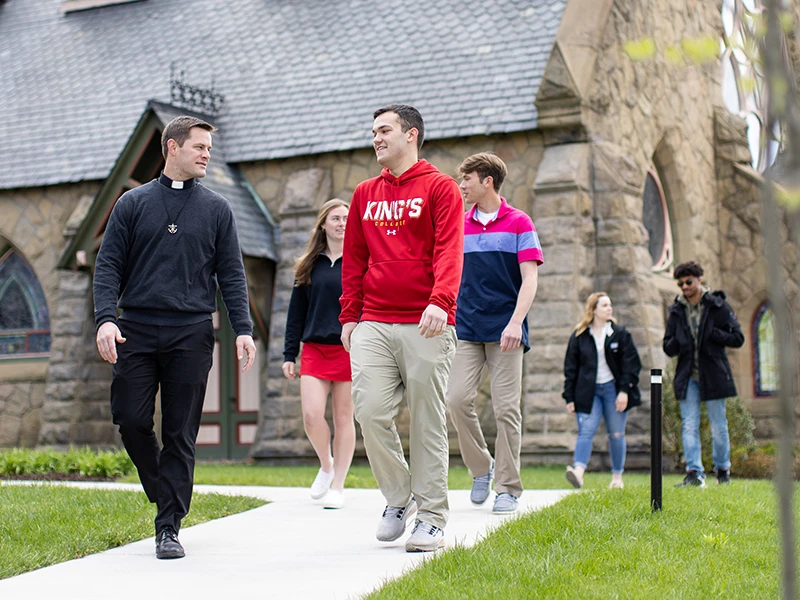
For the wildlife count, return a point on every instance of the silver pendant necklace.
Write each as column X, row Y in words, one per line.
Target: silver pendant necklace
column 172, row 228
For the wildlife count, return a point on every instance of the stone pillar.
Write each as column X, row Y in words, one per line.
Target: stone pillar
column 623, row 270
column 76, row 407
column 280, row 431
column 562, row 213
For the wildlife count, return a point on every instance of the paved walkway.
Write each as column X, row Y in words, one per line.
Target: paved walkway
column 290, row 548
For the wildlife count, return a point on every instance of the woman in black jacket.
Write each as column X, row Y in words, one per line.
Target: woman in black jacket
column 325, row 365
column 601, row 371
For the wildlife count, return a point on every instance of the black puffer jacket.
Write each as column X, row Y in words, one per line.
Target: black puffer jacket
column 580, row 368
column 718, row 329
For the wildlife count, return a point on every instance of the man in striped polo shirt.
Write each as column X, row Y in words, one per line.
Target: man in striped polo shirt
column 502, row 255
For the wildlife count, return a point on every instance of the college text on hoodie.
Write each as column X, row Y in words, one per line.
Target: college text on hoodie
column 403, row 247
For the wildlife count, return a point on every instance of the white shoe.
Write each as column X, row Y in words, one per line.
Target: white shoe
column 333, row 499
column 425, row 538
column 321, row 485
column 394, row 521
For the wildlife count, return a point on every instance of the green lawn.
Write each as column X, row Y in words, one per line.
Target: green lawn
column 718, row 542
column 44, row 525
column 360, row 476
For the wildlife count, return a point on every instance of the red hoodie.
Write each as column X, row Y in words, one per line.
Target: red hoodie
column 403, row 247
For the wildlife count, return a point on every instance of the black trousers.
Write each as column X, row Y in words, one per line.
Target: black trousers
column 176, row 359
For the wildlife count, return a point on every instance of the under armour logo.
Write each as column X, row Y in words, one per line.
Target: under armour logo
column 391, row 232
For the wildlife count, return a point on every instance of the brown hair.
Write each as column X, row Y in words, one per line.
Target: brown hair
column 316, row 245
column 179, row 129
column 485, row 164
column 408, row 116
column 588, row 312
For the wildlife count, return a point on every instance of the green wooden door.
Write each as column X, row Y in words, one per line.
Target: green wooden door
column 230, row 410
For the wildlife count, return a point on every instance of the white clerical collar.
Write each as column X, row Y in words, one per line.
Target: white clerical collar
column 176, row 185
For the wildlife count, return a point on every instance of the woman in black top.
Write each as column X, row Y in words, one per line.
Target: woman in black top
column 325, row 366
column 601, row 372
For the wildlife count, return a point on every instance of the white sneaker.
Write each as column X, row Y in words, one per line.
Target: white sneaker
column 321, row 485
column 425, row 538
column 394, row 520
column 333, row 499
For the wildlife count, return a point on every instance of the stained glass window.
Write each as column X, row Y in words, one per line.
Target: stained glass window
column 24, row 318
column 655, row 217
column 765, row 357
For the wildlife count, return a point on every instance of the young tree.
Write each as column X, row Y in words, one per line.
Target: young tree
column 784, row 111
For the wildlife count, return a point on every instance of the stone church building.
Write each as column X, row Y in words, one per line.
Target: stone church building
column 627, row 162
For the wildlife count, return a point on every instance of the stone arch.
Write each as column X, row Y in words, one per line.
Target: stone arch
column 666, row 160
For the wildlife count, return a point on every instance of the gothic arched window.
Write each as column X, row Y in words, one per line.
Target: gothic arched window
column 655, row 217
column 765, row 356
column 24, row 319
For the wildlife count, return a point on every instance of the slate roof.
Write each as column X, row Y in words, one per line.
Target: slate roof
column 299, row 76
column 256, row 230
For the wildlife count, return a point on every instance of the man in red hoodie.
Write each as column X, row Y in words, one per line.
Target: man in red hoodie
column 401, row 270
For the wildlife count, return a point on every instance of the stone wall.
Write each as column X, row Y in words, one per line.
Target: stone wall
column 744, row 266
column 76, row 408
column 37, row 222
column 606, row 119
column 669, row 114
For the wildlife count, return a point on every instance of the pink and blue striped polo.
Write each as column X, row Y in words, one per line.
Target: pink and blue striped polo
column 491, row 279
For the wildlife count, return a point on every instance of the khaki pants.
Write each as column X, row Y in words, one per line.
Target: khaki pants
column 505, row 373
column 388, row 359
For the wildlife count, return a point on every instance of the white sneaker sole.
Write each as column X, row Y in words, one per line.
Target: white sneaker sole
column 572, row 477
column 410, row 547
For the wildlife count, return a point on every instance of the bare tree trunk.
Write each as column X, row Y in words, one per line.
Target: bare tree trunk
column 783, row 109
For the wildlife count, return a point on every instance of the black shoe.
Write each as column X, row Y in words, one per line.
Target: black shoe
column 167, row 544
column 723, row 477
column 693, row 478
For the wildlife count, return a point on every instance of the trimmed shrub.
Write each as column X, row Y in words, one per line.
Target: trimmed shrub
column 82, row 462
column 762, row 463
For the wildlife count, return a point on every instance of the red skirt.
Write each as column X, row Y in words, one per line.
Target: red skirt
column 330, row 362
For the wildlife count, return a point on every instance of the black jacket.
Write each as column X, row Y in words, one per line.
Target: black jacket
column 718, row 328
column 164, row 278
column 580, row 367
column 314, row 309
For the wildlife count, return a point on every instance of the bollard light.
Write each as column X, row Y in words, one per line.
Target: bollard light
column 655, row 439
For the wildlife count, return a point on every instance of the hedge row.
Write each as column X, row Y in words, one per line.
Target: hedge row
column 76, row 461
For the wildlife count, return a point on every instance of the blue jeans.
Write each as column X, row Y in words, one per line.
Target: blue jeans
column 690, row 415
column 604, row 404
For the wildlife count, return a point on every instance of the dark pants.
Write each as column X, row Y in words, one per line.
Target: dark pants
column 178, row 360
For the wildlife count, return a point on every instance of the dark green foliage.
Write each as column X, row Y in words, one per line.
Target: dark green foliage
column 84, row 462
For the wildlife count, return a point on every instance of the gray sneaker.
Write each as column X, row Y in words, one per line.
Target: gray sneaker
column 505, row 504
column 425, row 538
column 394, row 520
column 481, row 486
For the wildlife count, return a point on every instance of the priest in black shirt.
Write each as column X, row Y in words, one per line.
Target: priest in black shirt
column 168, row 245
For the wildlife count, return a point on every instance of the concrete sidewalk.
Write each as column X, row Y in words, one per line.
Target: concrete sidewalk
column 290, row 548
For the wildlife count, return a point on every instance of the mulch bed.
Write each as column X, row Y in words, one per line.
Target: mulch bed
column 53, row 477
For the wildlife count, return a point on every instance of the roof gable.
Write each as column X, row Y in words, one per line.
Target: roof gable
column 254, row 223
column 298, row 78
